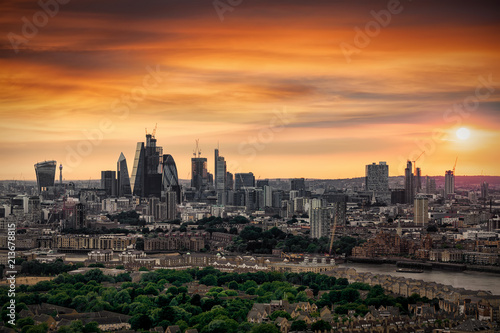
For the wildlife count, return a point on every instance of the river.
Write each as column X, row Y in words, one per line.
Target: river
column 469, row 279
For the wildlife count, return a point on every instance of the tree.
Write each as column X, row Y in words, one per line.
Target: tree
column 209, row 280
column 298, row 325
column 251, row 233
column 25, row 321
column 233, row 285
column 221, row 326
column 321, row 325
column 280, row 313
column 139, row 244
column 265, row 328
column 91, row 327
column 140, row 321
column 42, row 328
column 432, row 228
column 349, row 295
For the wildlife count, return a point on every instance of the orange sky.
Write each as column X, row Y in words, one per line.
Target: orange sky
column 270, row 83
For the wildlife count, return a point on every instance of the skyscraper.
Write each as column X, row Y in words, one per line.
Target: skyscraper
column 418, row 181
column 45, row 174
column 229, row 181
column 449, row 183
column 484, row 190
column 340, row 212
column 262, row 182
column 430, row 185
column 171, row 202
column 244, row 180
column 153, row 157
column 220, row 178
column 409, row 183
column 146, row 174
column 377, row 177
column 108, row 182
column 60, row 174
column 268, row 196
column 421, row 210
column 199, row 173
column 321, row 222
column 170, row 179
column 298, row 184
column 123, row 180
column 138, row 170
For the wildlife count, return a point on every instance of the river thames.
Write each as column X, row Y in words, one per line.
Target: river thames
column 469, row 279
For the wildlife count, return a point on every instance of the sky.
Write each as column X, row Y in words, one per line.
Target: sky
column 284, row 88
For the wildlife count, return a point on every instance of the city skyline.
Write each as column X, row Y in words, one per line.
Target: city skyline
column 289, row 89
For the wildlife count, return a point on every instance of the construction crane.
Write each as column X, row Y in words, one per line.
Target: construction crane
column 154, row 131
column 334, row 227
column 197, row 150
column 415, row 163
column 455, row 165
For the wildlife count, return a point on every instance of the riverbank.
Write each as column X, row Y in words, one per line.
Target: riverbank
column 471, row 280
column 425, row 265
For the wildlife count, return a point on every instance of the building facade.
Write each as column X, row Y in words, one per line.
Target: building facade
column 45, row 175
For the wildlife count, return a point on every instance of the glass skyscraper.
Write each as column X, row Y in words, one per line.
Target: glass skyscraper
column 151, row 174
column 45, row 174
column 170, row 179
column 123, row 179
column 108, row 182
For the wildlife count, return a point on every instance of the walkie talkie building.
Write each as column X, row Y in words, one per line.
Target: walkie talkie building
column 45, row 174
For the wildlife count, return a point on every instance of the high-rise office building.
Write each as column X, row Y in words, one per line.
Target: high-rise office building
column 250, row 199
column 229, row 181
column 137, row 179
column 312, row 204
column 123, row 188
column 484, row 190
column 268, row 196
column 199, row 173
column 430, row 185
column 146, row 174
column 340, row 212
column 449, row 183
column 60, row 174
column 321, row 222
column 220, row 178
column 277, row 198
column 377, row 177
column 171, row 202
column 421, row 210
column 293, row 194
column 45, row 175
column 418, row 180
column 262, row 182
column 409, row 183
column 79, row 216
column 259, row 199
column 170, row 179
column 108, row 182
column 398, row 196
column 220, row 172
column 244, row 180
column 298, row 184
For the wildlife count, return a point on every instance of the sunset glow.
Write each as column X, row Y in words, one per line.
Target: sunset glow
column 270, row 83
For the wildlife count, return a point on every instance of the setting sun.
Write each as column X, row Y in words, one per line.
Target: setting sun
column 463, row 133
